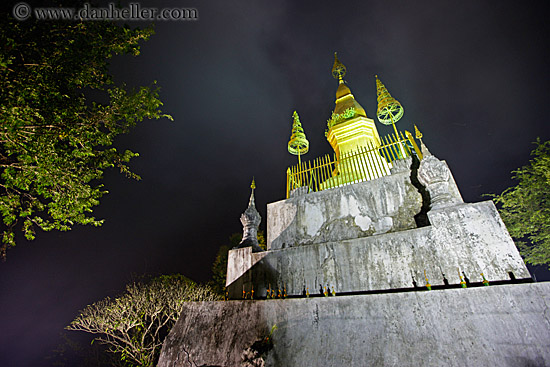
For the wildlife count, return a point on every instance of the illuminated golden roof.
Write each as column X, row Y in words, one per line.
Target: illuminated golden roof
column 342, row 91
column 345, row 100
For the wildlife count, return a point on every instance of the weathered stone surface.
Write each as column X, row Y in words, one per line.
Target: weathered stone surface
column 506, row 326
column 387, row 204
column 242, row 259
column 436, row 176
column 469, row 237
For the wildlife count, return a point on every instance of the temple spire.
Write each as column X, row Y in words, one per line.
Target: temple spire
column 348, row 127
column 346, row 107
column 298, row 144
column 389, row 109
column 338, row 69
column 250, row 220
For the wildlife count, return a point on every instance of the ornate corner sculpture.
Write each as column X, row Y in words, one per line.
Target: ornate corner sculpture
column 434, row 175
column 251, row 220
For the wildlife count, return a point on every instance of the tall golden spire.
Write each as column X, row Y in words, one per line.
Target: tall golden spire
column 346, row 106
column 348, row 127
column 389, row 109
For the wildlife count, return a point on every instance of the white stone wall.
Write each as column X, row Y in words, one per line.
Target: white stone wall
column 505, row 326
column 387, row 204
column 469, row 237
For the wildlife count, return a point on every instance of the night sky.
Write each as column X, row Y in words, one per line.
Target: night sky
column 473, row 75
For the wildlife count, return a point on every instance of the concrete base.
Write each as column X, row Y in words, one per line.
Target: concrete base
column 469, row 237
column 504, row 325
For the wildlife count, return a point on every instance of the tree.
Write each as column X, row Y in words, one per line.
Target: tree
column 219, row 267
column 135, row 324
column 75, row 350
column 525, row 207
column 60, row 113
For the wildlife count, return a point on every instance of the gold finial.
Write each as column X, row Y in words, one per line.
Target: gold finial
column 338, row 69
column 417, row 133
column 253, row 184
column 389, row 109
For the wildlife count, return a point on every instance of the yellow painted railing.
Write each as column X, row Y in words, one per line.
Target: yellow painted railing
column 366, row 163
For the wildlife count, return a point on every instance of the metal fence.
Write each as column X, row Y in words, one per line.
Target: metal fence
column 364, row 164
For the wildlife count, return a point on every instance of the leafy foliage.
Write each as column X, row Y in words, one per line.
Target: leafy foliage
column 135, row 324
column 336, row 118
column 219, row 267
column 525, row 208
column 55, row 139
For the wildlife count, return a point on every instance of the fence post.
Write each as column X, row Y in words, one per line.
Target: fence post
column 287, row 182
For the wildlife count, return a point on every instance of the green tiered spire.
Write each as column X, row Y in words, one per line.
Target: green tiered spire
column 389, row 109
column 298, row 144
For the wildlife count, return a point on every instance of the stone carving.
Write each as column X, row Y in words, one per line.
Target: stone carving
column 250, row 220
column 434, row 175
column 401, row 165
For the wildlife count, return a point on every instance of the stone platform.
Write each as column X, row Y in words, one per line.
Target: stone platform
column 470, row 237
column 500, row 325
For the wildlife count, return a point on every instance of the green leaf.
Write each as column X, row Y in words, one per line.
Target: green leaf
column 56, row 136
column 525, row 207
